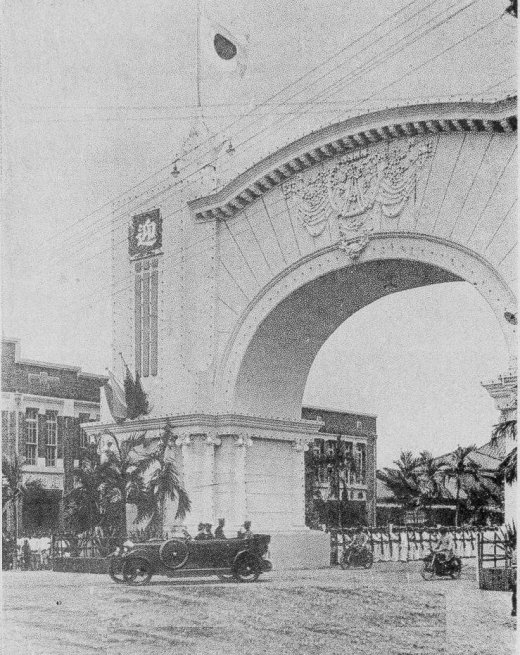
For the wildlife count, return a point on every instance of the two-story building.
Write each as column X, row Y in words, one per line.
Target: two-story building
column 358, row 437
column 43, row 406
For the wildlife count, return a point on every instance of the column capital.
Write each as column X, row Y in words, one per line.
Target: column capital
column 183, row 440
column 212, row 440
column 243, row 440
column 300, row 445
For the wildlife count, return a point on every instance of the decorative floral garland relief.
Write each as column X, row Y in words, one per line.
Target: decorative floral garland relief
column 351, row 189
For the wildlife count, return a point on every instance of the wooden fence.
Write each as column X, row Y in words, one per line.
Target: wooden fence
column 496, row 568
column 405, row 544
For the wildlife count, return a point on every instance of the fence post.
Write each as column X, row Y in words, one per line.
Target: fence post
column 333, row 547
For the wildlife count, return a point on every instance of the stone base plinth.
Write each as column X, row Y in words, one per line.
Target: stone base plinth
column 308, row 549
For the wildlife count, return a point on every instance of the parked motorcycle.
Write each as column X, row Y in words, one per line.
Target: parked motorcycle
column 436, row 565
column 354, row 558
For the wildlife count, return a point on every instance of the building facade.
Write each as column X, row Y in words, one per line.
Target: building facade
column 43, row 407
column 358, row 435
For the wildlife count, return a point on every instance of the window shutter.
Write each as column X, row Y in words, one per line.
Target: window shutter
column 42, row 436
column 76, row 430
column 6, row 445
column 21, row 433
column 59, row 440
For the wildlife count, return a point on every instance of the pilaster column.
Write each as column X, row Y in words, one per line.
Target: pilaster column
column 300, row 447
column 184, row 442
column 242, row 443
column 208, row 478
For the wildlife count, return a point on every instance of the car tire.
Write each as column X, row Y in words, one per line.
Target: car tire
column 115, row 569
column 456, row 569
column 345, row 561
column 137, row 571
column 246, row 568
column 369, row 560
column 428, row 571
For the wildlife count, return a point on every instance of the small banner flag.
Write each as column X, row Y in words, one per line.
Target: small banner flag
column 222, row 48
column 115, row 397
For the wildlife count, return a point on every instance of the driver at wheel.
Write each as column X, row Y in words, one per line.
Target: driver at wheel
column 444, row 547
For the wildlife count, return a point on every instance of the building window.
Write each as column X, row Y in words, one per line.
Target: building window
column 146, row 316
column 31, row 443
column 83, row 438
column 51, row 438
column 361, row 463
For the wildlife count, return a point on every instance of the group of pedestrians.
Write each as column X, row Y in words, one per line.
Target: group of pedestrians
column 204, row 531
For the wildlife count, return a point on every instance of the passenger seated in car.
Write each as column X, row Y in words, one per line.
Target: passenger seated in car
column 201, row 534
column 209, row 534
column 246, row 532
column 219, row 531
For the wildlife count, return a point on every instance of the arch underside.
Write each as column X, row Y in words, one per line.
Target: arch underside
column 277, row 361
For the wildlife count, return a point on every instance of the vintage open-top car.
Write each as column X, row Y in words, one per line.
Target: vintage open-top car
column 239, row 559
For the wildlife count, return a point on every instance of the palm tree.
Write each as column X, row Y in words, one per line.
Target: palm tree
column 340, row 463
column 14, row 489
column 126, row 472
column 460, row 468
column 405, row 480
column 508, row 467
column 163, row 484
column 431, row 479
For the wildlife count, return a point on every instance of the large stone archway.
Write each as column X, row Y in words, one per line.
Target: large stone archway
column 266, row 365
column 249, row 281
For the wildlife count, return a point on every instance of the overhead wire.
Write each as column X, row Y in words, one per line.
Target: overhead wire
column 361, row 69
column 395, row 81
column 224, row 130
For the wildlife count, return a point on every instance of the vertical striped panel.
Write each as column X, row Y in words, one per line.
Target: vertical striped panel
column 154, row 311
column 146, row 319
column 137, row 318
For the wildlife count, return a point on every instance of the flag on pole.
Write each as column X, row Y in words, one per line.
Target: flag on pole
column 226, row 50
column 115, row 397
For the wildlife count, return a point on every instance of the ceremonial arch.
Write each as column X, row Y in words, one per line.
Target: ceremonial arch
column 234, row 294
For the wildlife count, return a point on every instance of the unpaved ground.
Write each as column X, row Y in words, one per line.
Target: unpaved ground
column 389, row 610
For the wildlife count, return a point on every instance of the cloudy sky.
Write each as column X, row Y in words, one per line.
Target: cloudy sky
column 98, row 96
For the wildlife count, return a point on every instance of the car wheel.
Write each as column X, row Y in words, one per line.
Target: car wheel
column 115, row 569
column 174, row 553
column 456, row 569
column 137, row 571
column 369, row 560
column 428, row 572
column 345, row 561
column 246, row 568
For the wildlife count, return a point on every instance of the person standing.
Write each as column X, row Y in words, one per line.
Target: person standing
column 26, row 555
column 219, row 531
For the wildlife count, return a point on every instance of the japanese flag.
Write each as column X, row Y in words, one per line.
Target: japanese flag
column 223, row 49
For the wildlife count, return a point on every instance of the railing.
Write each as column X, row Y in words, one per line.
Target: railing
column 496, row 568
column 405, row 544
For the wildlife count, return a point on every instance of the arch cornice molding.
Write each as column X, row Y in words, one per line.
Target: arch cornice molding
column 424, row 248
column 350, row 135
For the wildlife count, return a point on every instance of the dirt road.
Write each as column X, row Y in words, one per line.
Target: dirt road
column 389, row 610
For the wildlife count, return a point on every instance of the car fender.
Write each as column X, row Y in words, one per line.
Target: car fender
column 246, row 551
column 139, row 553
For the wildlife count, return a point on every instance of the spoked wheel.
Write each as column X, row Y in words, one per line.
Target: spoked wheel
column 369, row 560
column 137, row 571
column 428, row 571
column 115, row 569
column 345, row 560
column 246, row 569
column 456, row 569
column 174, row 553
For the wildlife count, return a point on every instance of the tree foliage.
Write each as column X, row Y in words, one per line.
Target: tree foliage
column 136, row 471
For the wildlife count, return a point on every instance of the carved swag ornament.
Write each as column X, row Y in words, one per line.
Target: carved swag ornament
column 351, row 189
